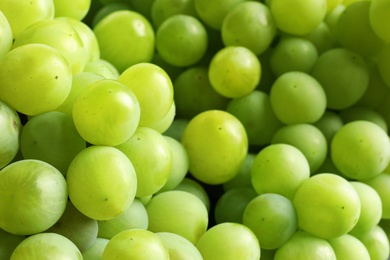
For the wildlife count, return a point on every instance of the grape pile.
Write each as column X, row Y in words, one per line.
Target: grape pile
column 195, row 129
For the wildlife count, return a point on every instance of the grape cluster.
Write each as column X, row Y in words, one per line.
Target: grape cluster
column 194, row 129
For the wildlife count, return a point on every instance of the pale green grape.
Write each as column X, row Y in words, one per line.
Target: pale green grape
column 5, row 35
column 272, row 218
column 95, row 252
column 298, row 17
column 101, row 182
column 293, row 54
column 384, row 64
column 296, row 97
column 153, row 89
column 329, row 124
column 125, row 38
column 135, row 217
column 181, row 40
column 217, row 144
column 249, row 24
column 179, row 247
column 256, row 114
column 308, row 139
column 165, row 122
column 227, row 241
column 381, row 184
column 360, row 150
column 378, row 16
column 348, row 247
column 243, row 178
column 327, row 205
column 37, row 190
column 178, row 212
column 321, row 37
column 63, row 37
column 356, row 113
column 279, row 168
column 41, row 88
column 234, row 71
column 46, row 246
column 103, row 68
column 152, row 166
column 376, row 242
column 106, row 113
column 77, row 227
column 163, row 9
column 8, row 242
column 344, row 76
column 75, row 9
column 53, row 138
column 107, row 9
column 10, row 128
column 194, row 187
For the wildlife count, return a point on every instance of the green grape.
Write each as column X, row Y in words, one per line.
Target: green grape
column 178, row 212
column 181, row 40
column 234, row 71
column 249, row 24
column 272, row 218
column 279, row 168
column 327, row 205
column 384, row 64
column 8, row 243
column 75, row 9
column 321, row 37
column 371, row 208
column 135, row 217
column 296, row 97
column 10, row 128
column 107, row 9
column 101, row 182
column 308, row 139
column 176, row 128
column 37, row 190
column 125, row 38
column 229, row 241
column 329, row 124
column 194, row 93
column 23, row 13
column 163, row 9
column 305, row 246
column 217, row 144
column 256, row 114
column 46, row 246
column 212, row 12
column 63, row 37
column 360, row 150
column 195, row 188
column 95, row 251
column 380, row 184
column 77, row 227
column 243, row 178
column 378, row 16
column 108, row 108
column 5, row 35
column 179, row 247
column 293, row 54
column 356, row 113
column 152, row 166
column 354, row 30
column 103, row 68
column 165, row 122
column 153, row 89
column 41, row 88
column 348, row 247
column 376, row 242
column 344, row 76
column 298, row 17
column 230, row 205
column 53, row 138
column 136, row 244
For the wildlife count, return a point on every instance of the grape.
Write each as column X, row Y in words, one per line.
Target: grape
column 356, row 113
column 45, row 246
column 229, row 241
column 217, row 144
column 327, row 205
column 360, row 150
column 153, row 89
column 107, row 9
column 179, row 247
column 380, row 184
column 75, row 9
column 329, row 124
column 37, row 190
column 8, row 243
column 103, row 68
column 195, row 188
column 378, row 16
column 321, row 37
column 95, row 251
column 101, row 182
column 243, row 178
column 11, row 128
column 234, row 71
column 376, row 242
column 5, row 35
column 181, row 40
column 163, row 9
column 43, row 87
column 178, row 212
column 298, row 17
column 272, row 218
column 305, row 246
column 125, row 38
column 152, row 167
column 53, row 138
column 108, row 107
column 249, row 24
column 348, row 247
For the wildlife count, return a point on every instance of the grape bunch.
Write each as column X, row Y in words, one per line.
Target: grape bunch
column 195, row 129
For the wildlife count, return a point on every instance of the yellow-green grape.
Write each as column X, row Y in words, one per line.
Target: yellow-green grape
column 103, row 68
column 349, row 247
column 376, row 242
column 165, row 122
column 75, row 9
column 5, row 35
column 380, row 184
column 179, row 247
column 163, row 9
column 378, row 15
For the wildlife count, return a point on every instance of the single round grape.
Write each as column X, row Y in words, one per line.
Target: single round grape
column 329, row 124
column 234, row 71
column 356, row 113
column 195, row 187
column 75, row 9
column 360, row 150
column 96, row 250
column 217, row 144
column 179, row 247
column 376, row 242
column 378, row 16
column 163, row 9
column 349, row 247
column 296, row 97
column 5, row 35
column 381, row 184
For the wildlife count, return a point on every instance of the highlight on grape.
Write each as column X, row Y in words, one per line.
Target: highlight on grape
column 195, row 129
